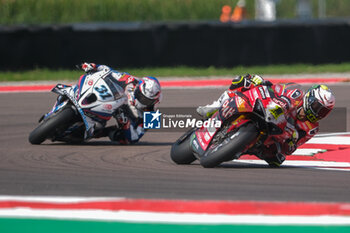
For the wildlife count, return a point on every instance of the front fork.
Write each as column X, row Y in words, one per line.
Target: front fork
column 60, row 103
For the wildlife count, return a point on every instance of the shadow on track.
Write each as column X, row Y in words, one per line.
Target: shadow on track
column 243, row 165
column 239, row 165
column 107, row 143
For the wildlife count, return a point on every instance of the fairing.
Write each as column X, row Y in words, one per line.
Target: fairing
column 95, row 97
column 257, row 105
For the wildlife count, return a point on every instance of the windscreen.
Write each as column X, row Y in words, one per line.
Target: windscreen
column 114, row 85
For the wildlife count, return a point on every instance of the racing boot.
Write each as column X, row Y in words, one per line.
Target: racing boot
column 208, row 110
column 272, row 155
column 103, row 131
column 112, row 132
column 276, row 161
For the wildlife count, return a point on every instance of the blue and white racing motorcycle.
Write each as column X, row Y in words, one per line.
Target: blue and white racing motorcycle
column 82, row 109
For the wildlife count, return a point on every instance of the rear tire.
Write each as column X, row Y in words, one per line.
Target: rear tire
column 181, row 151
column 49, row 126
column 230, row 146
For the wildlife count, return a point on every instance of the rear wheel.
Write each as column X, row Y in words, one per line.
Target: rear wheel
column 48, row 127
column 181, row 151
column 230, row 146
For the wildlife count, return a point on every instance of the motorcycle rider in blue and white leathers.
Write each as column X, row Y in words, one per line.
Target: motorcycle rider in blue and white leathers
column 143, row 94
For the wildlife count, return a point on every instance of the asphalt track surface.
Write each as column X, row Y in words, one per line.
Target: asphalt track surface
column 145, row 170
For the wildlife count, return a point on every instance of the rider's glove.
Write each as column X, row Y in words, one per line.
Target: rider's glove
column 290, row 144
column 88, row 67
column 130, row 94
column 256, row 80
column 121, row 117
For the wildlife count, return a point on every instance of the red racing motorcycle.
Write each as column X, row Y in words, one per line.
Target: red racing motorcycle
column 249, row 122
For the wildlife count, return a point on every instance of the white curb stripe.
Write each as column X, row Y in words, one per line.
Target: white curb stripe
column 338, row 140
column 151, row 217
column 303, row 163
column 57, row 199
column 308, row 152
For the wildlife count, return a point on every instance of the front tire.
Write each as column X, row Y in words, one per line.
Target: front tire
column 49, row 126
column 181, row 151
column 230, row 146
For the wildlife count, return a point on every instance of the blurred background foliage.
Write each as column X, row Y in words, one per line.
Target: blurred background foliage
column 72, row 11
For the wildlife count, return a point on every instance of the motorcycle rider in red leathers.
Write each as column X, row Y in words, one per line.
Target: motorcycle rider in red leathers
column 302, row 111
column 143, row 95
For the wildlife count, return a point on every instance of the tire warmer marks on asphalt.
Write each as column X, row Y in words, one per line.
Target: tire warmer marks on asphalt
column 65, row 214
column 179, row 83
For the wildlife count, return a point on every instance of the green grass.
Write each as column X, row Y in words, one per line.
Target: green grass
column 69, row 11
column 66, row 11
column 46, row 74
column 70, row 226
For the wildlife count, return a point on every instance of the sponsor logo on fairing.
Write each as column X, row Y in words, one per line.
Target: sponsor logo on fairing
column 194, row 142
column 107, row 106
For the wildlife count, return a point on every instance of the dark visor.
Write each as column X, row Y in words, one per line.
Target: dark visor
column 143, row 99
column 317, row 108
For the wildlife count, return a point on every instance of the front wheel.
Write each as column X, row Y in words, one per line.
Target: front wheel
column 48, row 127
column 181, row 151
column 228, row 148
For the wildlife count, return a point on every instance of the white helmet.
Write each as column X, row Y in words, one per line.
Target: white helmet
column 148, row 92
column 318, row 102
